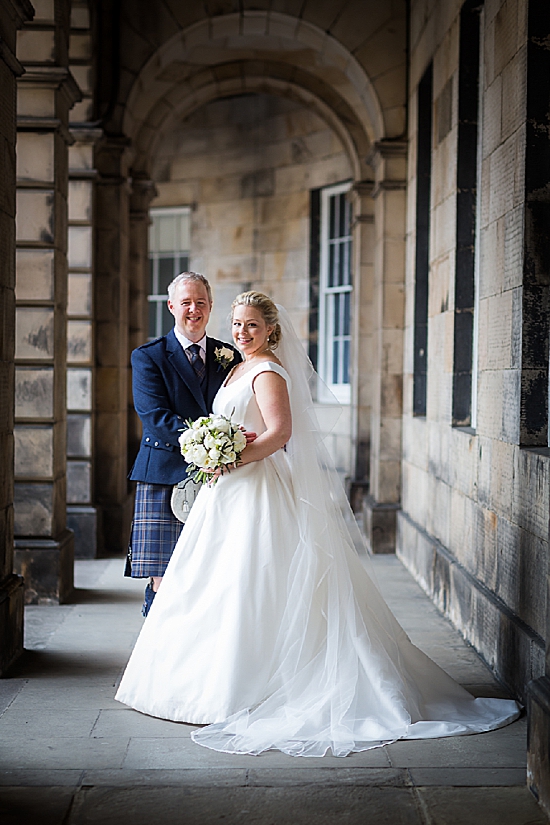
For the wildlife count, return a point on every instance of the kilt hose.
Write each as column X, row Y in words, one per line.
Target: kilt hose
column 155, row 530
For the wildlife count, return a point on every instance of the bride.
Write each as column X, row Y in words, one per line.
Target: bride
column 266, row 628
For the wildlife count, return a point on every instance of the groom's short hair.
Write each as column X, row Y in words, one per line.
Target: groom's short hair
column 189, row 276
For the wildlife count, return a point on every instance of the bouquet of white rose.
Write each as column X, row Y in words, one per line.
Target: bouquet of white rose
column 211, row 443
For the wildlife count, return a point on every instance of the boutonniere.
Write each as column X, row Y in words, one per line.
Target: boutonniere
column 224, row 356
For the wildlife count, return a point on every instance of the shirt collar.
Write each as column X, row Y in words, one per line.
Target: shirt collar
column 186, row 343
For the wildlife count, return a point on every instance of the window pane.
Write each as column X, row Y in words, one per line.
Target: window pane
column 347, row 248
column 166, row 274
column 167, row 319
column 167, row 233
column 345, row 370
column 336, row 304
column 152, row 319
column 335, row 353
column 152, row 272
column 184, row 240
column 330, row 273
column 342, row 275
column 343, row 216
column 333, row 219
column 183, row 265
column 347, row 313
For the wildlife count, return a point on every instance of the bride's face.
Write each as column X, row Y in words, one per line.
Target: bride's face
column 250, row 331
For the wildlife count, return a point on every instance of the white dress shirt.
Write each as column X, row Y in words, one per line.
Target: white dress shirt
column 186, row 343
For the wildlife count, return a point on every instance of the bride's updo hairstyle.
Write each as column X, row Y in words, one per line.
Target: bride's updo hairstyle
column 268, row 309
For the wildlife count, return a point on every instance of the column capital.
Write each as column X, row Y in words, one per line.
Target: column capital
column 363, row 188
column 86, row 134
column 388, row 158
column 142, row 193
column 112, row 158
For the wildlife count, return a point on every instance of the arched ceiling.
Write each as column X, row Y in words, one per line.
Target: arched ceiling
column 254, row 52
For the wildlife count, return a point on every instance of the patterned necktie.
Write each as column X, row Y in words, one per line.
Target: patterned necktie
column 197, row 363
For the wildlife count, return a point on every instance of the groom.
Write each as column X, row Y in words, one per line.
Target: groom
column 173, row 378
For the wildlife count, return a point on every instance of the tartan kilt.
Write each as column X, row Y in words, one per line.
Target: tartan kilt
column 155, row 530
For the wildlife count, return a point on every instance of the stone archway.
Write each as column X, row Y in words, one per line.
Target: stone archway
column 263, row 52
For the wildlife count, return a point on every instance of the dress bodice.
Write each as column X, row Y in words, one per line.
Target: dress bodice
column 238, row 401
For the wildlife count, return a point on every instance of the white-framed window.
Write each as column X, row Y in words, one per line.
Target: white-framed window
column 169, row 249
column 335, row 291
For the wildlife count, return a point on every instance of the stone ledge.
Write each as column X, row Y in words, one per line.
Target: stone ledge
column 511, row 648
column 47, row 565
column 379, row 525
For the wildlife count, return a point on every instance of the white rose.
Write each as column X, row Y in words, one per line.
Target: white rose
column 214, row 454
column 187, row 435
column 239, row 441
column 222, row 424
column 228, row 457
column 198, row 455
column 209, row 441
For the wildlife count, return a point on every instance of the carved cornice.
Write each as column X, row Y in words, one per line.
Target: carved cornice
column 388, row 159
column 55, row 77
column 368, row 219
column 364, row 188
column 387, row 149
column 86, row 134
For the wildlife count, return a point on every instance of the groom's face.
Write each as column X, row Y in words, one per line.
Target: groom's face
column 190, row 306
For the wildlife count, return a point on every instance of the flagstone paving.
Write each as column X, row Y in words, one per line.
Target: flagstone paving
column 71, row 755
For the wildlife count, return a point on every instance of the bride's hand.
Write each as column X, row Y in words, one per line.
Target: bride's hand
column 215, row 474
column 250, row 437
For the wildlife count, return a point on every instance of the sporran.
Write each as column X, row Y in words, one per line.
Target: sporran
column 183, row 498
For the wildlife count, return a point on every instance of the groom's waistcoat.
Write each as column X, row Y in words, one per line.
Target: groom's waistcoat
column 167, row 392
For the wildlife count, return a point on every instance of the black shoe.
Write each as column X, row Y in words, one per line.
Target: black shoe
column 149, row 598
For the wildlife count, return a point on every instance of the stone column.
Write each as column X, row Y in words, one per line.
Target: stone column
column 362, row 338
column 47, row 90
column 81, row 512
column 12, row 16
column 380, row 507
column 143, row 192
column 111, row 299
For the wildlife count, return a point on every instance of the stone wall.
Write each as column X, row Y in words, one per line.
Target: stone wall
column 474, row 526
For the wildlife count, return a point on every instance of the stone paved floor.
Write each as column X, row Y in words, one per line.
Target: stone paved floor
column 71, row 755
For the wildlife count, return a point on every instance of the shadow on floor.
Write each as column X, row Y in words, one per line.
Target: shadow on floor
column 54, row 664
column 84, row 596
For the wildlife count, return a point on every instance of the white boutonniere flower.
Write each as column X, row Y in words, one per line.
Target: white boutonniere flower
column 224, row 356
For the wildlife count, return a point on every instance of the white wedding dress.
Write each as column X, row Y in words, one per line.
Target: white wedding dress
column 267, row 628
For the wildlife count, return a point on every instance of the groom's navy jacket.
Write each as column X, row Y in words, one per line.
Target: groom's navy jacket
column 166, row 393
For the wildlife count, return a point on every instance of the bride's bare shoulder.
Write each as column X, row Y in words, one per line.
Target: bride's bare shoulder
column 273, row 357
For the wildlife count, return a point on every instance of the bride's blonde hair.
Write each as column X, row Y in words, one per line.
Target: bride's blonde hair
column 268, row 309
